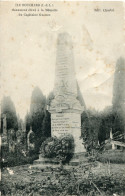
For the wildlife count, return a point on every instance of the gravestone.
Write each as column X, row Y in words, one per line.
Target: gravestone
column 30, row 140
column 65, row 108
column 4, row 134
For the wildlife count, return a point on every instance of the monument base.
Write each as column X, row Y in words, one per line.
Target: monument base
column 44, row 163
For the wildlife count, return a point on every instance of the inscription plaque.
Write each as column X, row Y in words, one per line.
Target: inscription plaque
column 67, row 123
column 64, row 123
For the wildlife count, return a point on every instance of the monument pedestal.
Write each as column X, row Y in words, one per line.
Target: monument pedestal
column 68, row 122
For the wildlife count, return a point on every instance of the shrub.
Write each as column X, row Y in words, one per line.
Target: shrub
column 61, row 148
column 47, row 147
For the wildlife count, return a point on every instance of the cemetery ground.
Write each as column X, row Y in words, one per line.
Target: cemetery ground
column 89, row 178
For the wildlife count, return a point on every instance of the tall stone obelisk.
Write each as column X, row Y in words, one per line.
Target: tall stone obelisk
column 65, row 108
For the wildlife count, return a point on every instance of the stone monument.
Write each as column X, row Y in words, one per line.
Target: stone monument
column 65, row 108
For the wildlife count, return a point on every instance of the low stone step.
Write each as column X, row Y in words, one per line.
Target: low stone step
column 45, row 161
column 44, row 166
column 74, row 162
column 79, row 155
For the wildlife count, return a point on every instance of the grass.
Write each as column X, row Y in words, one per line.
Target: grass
column 81, row 181
column 112, row 156
column 15, row 160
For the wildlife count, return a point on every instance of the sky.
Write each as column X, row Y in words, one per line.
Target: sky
column 28, row 50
